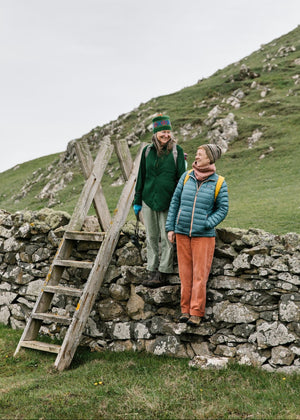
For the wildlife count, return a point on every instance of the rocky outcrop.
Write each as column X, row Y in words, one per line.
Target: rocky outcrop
column 253, row 297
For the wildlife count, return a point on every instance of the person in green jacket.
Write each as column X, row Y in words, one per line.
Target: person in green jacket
column 162, row 164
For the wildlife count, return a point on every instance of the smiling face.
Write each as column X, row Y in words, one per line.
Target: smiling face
column 163, row 136
column 201, row 158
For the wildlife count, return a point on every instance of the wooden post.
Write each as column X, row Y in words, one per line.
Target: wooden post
column 100, row 205
column 91, row 186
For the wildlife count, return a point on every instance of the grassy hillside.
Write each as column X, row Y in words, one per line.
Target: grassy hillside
column 261, row 96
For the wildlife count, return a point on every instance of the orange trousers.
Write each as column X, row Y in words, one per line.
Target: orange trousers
column 195, row 256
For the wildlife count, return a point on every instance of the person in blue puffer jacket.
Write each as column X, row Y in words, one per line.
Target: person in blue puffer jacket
column 193, row 215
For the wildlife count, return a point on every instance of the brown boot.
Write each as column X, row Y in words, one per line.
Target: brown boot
column 194, row 321
column 150, row 277
column 154, row 281
column 163, row 278
column 184, row 317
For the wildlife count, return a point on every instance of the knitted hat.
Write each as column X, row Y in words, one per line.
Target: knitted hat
column 213, row 151
column 161, row 122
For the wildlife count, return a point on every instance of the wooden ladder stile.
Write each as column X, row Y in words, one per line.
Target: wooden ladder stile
column 92, row 193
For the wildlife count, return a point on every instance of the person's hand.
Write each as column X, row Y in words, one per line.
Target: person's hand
column 137, row 208
column 171, row 236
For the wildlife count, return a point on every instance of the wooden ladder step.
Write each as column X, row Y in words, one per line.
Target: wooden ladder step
column 62, row 290
column 85, row 236
column 39, row 345
column 73, row 263
column 61, row 319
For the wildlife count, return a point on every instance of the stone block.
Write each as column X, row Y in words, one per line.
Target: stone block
column 273, row 334
column 235, row 313
column 281, row 356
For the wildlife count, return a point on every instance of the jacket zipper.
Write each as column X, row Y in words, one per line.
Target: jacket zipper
column 194, row 204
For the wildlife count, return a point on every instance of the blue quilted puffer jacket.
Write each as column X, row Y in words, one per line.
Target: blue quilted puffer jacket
column 193, row 210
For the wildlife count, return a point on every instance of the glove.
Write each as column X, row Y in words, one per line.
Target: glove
column 137, row 208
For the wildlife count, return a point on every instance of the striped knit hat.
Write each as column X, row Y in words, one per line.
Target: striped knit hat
column 161, row 122
column 213, row 151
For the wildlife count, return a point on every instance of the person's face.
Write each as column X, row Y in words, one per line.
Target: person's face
column 201, row 158
column 163, row 136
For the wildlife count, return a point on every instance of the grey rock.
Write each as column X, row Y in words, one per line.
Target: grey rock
column 201, row 349
column 241, row 262
column 34, row 288
column 281, row 356
column 247, row 354
column 109, row 310
column 5, row 233
column 118, row 292
column 11, row 244
column 7, row 297
column 135, row 305
column 121, row 331
column 289, row 308
column 141, row 331
column 209, row 362
column 167, row 345
column 289, row 278
column 225, row 351
column 273, row 334
column 234, row 313
column 4, row 315
column 243, row 330
column 231, row 283
column 294, row 263
column 16, row 312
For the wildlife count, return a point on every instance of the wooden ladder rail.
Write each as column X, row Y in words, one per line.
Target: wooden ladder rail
column 65, row 248
column 100, row 205
column 98, row 271
column 90, row 193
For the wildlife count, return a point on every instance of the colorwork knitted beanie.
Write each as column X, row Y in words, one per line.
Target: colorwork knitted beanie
column 213, row 151
column 161, row 122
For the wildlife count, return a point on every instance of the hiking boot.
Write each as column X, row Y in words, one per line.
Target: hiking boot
column 163, row 278
column 184, row 317
column 194, row 321
column 157, row 280
column 150, row 277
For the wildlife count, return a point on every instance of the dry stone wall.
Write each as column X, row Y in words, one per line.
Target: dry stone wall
column 253, row 297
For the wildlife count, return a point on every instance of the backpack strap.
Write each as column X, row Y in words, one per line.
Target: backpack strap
column 218, row 186
column 175, row 153
column 147, row 150
column 187, row 176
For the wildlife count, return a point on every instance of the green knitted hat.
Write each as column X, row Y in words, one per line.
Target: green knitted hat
column 161, row 122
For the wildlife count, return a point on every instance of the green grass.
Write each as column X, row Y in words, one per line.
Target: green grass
column 131, row 385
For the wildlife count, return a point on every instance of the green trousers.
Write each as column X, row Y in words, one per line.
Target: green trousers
column 157, row 241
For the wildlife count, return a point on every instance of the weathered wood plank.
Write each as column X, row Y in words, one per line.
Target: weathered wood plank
column 99, row 202
column 124, row 156
column 52, row 318
column 38, row 345
column 63, row 290
column 91, row 186
column 75, row 264
column 85, row 236
column 97, row 274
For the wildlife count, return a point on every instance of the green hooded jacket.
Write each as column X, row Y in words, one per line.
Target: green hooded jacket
column 158, row 177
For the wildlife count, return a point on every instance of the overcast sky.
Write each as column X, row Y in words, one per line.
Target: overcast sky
column 68, row 66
